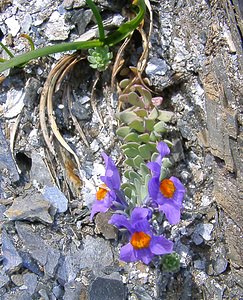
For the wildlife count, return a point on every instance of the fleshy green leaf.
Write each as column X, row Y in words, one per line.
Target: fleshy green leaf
column 131, row 152
column 123, row 131
column 126, row 174
column 160, row 127
column 144, row 150
column 131, row 137
column 133, row 175
column 137, row 184
column 137, row 125
column 153, row 137
column 128, row 192
column 128, row 117
column 154, row 114
column 124, row 83
column 144, row 170
column 129, row 162
column 167, row 163
column 130, row 145
column 135, row 100
column 143, row 137
column 137, row 161
column 165, row 115
column 149, row 124
column 141, row 112
column 152, row 147
column 154, row 156
column 145, row 94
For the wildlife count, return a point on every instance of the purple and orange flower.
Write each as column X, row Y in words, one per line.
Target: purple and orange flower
column 167, row 193
column 108, row 194
column 143, row 244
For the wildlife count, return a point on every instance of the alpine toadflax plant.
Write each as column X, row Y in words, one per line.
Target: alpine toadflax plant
column 163, row 194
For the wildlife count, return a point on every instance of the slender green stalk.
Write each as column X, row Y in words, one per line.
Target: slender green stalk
column 26, row 57
column 29, row 39
column 6, row 50
column 112, row 39
column 98, row 18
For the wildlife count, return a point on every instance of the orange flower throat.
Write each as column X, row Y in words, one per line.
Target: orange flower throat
column 140, row 240
column 167, row 188
column 102, row 191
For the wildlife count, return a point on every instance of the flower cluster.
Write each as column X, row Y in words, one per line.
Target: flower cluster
column 164, row 195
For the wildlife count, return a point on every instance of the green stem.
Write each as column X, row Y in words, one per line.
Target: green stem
column 98, row 18
column 26, row 57
column 6, row 50
column 112, row 39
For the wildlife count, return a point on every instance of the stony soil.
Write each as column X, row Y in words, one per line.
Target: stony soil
column 49, row 247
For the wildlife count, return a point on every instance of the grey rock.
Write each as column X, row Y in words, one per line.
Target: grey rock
column 30, row 281
column 68, row 4
column 45, row 255
column 95, row 255
column 102, row 226
column 56, row 29
column 107, row 289
column 4, row 279
column 6, row 159
column 56, row 198
column 81, row 19
column 44, row 295
column 202, row 232
column 11, row 259
column 26, row 23
column 31, row 95
column 39, row 172
column 157, row 66
column 81, row 112
column 17, row 295
column 2, row 210
column 17, row 279
column 74, row 291
column 220, row 265
column 199, row 264
column 52, row 262
column 30, row 207
column 58, row 292
column 13, row 25
column 30, row 264
column 142, row 294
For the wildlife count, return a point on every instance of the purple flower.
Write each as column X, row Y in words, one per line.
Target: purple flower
column 155, row 166
column 143, row 244
column 107, row 194
column 167, row 193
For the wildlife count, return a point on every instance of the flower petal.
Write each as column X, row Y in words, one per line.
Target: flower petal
column 163, row 149
column 171, row 211
column 98, row 206
column 120, row 221
column 155, row 167
column 127, row 253
column 145, row 255
column 140, row 213
column 112, row 177
column 160, row 245
column 142, row 225
column 153, row 187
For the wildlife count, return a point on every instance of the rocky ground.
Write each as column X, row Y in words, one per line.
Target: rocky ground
column 49, row 247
